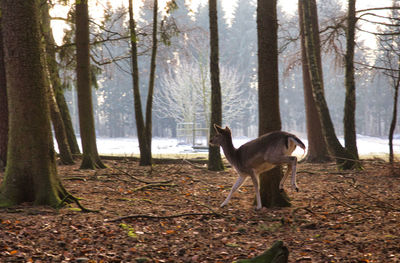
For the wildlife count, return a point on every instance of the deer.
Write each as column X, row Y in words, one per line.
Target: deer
column 258, row 156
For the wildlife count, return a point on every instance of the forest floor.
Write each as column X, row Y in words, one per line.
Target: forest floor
column 170, row 213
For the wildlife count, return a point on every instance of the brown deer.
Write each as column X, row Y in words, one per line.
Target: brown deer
column 257, row 156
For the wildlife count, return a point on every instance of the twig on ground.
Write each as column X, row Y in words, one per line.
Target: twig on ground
column 152, row 185
column 140, row 180
column 347, row 205
column 194, row 165
column 160, row 217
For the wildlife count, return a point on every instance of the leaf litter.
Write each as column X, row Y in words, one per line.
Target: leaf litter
column 170, row 213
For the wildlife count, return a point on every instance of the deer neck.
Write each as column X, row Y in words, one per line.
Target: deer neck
column 230, row 152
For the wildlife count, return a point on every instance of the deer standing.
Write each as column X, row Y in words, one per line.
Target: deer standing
column 257, row 156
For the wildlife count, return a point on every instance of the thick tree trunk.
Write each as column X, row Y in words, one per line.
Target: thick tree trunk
column 343, row 158
column 350, row 138
column 31, row 174
column 91, row 159
column 268, row 95
column 317, row 150
column 3, row 107
column 214, row 155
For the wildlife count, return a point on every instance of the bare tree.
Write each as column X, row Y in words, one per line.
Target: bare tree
column 214, row 155
column 317, row 150
column 343, row 158
column 143, row 124
column 186, row 94
column 390, row 59
column 268, row 95
column 91, row 158
column 350, row 101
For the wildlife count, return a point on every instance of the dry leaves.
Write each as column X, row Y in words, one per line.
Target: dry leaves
column 170, row 213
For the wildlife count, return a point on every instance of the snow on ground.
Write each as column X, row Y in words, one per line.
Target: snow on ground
column 129, row 146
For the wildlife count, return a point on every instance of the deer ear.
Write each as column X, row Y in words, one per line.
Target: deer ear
column 217, row 128
column 227, row 129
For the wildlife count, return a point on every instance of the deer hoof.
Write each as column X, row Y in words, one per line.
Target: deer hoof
column 297, row 189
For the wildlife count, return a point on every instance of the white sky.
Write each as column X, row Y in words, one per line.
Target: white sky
column 97, row 7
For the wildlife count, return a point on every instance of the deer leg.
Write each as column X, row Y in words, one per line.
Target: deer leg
column 291, row 161
column 254, row 178
column 237, row 184
column 293, row 181
column 288, row 170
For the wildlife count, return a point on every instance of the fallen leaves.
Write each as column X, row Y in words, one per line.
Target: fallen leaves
column 170, row 213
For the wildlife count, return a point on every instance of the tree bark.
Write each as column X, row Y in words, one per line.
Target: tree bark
column 56, row 118
column 3, row 107
column 343, row 158
column 317, row 150
column 268, row 95
column 144, row 126
column 214, row 155
column 91, row 159
column 65, row 114
column 147, row 159
column 350, row 138
column 31, row 174
column 394, row 114
column 56, row 81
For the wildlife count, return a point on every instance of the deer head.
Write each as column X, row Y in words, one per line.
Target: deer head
column 221, row 137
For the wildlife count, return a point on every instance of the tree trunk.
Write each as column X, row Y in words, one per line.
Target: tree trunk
column 56, row 118
column 144, row 129
column 136, row 89
column 394, row 115
column 350, row 138
column 147, row 159
column 62, row 105
column 31, row 174
column 56, row 81
column 3, row 107
column 317, row 150
column 343, row 158
column 214, row 155
column 91, row 159
column 268, row 95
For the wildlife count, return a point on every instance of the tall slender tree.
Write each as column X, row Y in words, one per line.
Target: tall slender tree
column 268, row 95
column 91, row 158
column 143, row 125
column 3, row 107
column 317, row 150
column 350, row 138
column 214, row 155
column 343, row 158
column 31, row 173
column 56, row 117
column 55, row 80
